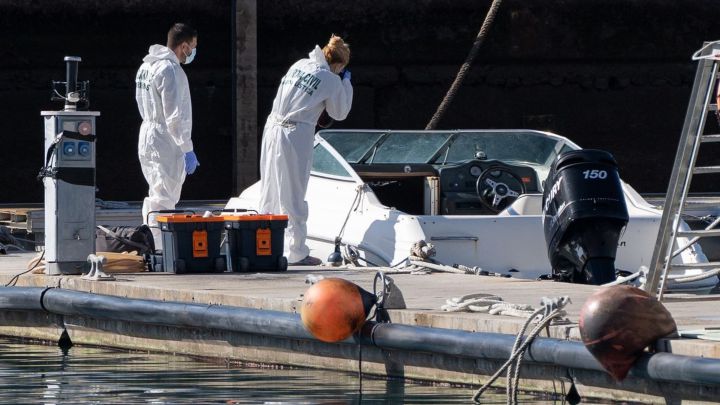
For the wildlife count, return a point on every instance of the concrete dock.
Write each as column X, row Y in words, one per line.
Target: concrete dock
column 423, row 294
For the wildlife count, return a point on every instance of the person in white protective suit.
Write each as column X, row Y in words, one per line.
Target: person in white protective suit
column 318, row 83
column 165, row 147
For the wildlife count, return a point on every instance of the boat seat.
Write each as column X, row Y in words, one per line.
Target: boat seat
column 526, row 204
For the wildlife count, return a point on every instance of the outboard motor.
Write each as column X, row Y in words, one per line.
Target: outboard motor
column 584, row 214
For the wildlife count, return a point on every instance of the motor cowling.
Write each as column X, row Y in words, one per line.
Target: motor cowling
column 584, row 214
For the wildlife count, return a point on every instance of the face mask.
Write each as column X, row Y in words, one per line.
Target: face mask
column 189, row 58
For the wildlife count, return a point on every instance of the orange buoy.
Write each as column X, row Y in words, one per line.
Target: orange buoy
column 617, row 324
column 333, row 309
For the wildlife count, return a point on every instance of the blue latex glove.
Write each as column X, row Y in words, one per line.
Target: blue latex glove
column 191, row 162
column 345, row 74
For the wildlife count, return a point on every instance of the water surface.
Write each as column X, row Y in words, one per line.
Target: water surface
column 42, row 374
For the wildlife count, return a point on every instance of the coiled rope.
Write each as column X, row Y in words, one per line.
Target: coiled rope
column 488, row 303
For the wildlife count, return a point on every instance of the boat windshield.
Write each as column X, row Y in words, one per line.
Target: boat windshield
column 443, row 147
column 515, row 146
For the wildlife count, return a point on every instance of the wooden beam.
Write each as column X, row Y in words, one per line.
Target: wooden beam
column 245, row 145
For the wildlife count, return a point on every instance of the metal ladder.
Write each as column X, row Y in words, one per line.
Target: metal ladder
column 693, row 135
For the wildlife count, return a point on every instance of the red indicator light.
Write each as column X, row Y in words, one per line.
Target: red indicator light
column 84, row 128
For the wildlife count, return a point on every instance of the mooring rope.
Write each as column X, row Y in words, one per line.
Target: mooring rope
column 517, row 354
column 487, row 303
column 678, row 278
column 549, row 310
column 623, row 280
column 353, row 207
column 513, row 372
column 36, row 261
column 414, row 261
column 697, row 277
column 489, row 18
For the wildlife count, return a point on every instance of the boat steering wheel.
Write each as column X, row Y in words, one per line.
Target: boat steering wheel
column 493, row 191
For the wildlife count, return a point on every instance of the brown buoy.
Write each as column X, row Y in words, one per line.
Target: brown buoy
column 617, row 324
column 333, row 309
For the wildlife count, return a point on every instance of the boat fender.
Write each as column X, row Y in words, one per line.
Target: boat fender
column 617, row 323
column 333, row 309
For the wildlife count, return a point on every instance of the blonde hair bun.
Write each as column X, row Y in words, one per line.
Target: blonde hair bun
column 337, row 50
column 335, row 41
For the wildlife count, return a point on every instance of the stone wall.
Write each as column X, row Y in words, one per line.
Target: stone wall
column 614, row 75
column 112, row 37
column 610, row 74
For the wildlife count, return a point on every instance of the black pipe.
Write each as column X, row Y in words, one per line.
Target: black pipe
column 475, row 345
column 71, row 73
column 482, row 345
column 236, row 319
column 564, row 353
column 672, row 367
column 21, row 298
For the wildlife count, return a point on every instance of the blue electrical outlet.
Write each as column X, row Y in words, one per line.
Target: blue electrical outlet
column 69, row 148
column 84, row 149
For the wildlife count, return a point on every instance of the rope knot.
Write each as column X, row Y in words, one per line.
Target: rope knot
column 422, row 250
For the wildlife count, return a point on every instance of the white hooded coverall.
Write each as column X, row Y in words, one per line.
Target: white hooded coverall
column 163, row 98
column 308, row 88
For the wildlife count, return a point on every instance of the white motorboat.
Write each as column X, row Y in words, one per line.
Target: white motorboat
column 476, row 195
